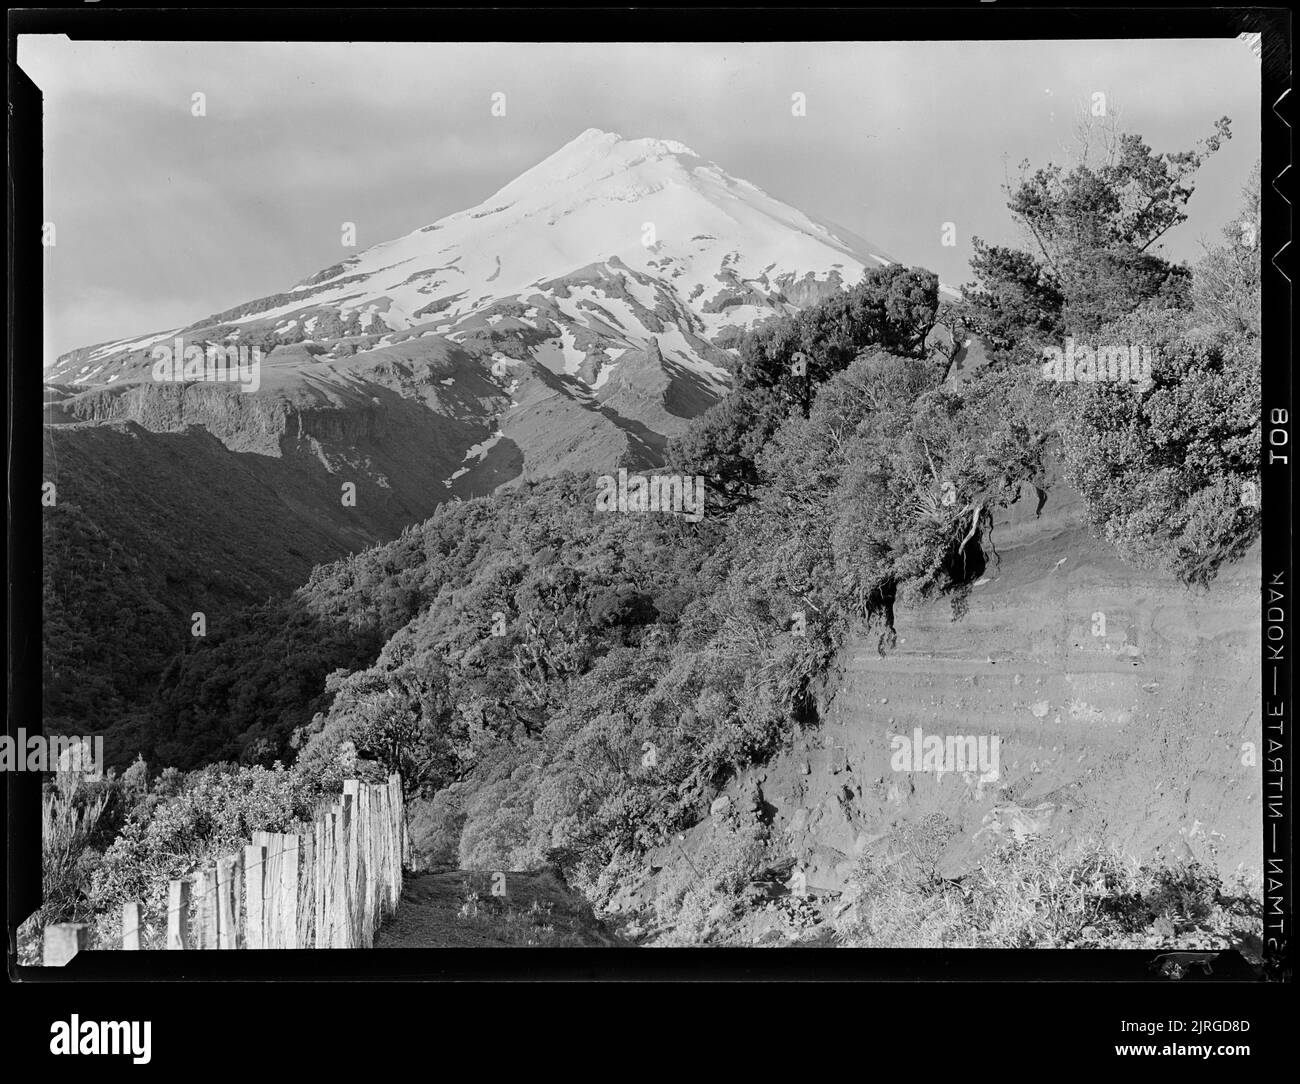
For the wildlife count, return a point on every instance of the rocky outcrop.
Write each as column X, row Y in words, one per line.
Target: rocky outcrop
column 250, row 422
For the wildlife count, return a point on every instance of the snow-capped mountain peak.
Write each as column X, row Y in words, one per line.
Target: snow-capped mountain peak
column 647, row 226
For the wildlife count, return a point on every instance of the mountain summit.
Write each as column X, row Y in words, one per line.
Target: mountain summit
column 604, row 245
column 576, row 319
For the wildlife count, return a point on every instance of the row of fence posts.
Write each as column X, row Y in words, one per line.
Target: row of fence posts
column 328, row 885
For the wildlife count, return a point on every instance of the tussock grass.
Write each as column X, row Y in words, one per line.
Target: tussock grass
column 701, row 896
column 1029, row 895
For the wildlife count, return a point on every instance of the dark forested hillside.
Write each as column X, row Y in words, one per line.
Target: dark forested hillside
column 141, row 531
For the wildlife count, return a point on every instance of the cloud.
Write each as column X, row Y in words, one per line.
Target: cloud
column 899, row 137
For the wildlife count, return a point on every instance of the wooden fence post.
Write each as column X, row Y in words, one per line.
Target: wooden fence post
column 241, row 925
column 338, row 891
column 386, row 862
column 375, row 830
column 327, row 861
column 399, row 836
column 306, row 892
column 348, row 849
column 378, row 817
column 205, row 885
column 334, row 889
column 356, row 886
column 63, row 941
column 395, row 837
column 365, row 842
column 228, row 887
column 270, row 880
column 254, row 880
column 272, row 900
column 289, row 891
column 406, row 835
column 131, row 926
column 365, row 866
column 320, row 865
column 178, row 915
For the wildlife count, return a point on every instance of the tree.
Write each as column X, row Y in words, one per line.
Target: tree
column 783, row 363
column 401, row 717
column 722, row 445
column 1017, row 303
column 1092, row 231
column 1226, row 285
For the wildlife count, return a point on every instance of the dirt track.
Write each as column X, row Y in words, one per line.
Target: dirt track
column 456, row 909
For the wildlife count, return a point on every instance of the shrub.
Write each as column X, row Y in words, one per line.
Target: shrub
column 1032, row 895
column 1162, row 468
column 214, row 813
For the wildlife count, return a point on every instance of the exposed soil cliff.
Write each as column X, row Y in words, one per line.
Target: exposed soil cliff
column 1124, row 707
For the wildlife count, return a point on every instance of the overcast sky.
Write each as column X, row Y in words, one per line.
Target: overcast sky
column 163, row 217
